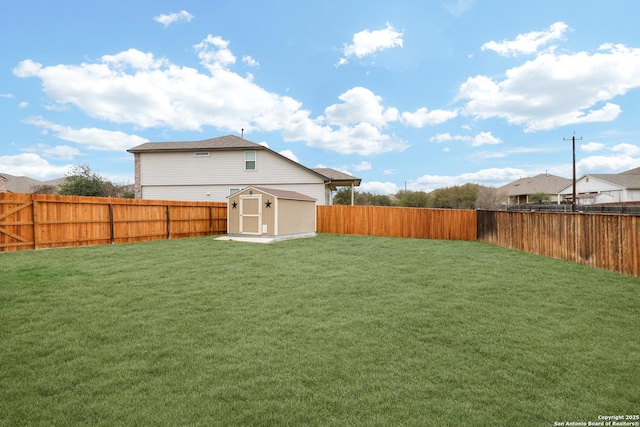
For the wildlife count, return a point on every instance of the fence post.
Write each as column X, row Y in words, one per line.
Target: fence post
column 112, row 232
column 36, row 240
column 210, row 220
column 168, row 209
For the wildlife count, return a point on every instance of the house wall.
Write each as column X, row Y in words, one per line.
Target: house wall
column 633, row 196
column 183, row 176
column 592, row 190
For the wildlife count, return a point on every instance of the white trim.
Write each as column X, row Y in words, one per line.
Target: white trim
column 258, row 215
column 255, row 160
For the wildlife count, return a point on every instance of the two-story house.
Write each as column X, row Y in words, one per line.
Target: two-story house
column 213, row 169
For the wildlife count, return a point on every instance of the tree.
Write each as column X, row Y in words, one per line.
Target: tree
column 43, row 189
column 457, row 197
column 538, row 198
column 490, row 198
column 82, row 181
column 343, row 196
column 412, row 199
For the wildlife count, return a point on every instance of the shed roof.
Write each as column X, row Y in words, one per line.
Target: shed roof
column 280, row 194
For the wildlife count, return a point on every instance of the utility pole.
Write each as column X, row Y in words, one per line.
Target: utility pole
column 573, row 140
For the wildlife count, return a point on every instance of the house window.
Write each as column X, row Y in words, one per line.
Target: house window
column 233, row 191
column 250, row 160
column 201, row 154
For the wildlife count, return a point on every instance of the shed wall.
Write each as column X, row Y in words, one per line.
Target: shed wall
column 296, row 216
column 283, row 217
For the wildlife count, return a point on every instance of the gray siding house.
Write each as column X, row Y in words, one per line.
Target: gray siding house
column 518, row 192
column 605, row 188
column 213, row 169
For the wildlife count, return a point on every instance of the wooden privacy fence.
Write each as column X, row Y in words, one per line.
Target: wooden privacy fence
column 38, row 221
column 446, row 224
column 610, row 242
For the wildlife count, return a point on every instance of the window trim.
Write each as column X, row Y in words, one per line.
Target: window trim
column 255, row 161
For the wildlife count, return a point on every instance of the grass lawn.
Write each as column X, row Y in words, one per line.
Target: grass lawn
column 334, row 330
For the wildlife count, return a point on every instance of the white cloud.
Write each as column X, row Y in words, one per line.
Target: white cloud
column 289, row 155
column 360, row 105
column 627, row 149
column 376, row 187
column 133, row 58
column 23, row 104
column 489, row 177
column 363, row 166
column 92, row 138
column 422, row 117
column 251, row 62
column 592, row 146
column 137, row 88
column 389, row 172
column 168, row 19
column 368, row 42
column 61, row 152
column 527, row 43
column 607, row 164
column 31, row 165
column 557, row 90
column 483, row 138
column 6, row 95
column 214, row 53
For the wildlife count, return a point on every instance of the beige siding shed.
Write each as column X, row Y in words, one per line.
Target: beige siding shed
column 268, row 212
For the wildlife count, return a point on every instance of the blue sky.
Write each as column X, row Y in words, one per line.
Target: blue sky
column 404, row 94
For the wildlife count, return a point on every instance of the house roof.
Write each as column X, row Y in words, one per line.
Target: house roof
column 543, row 183
column 227, row 142
column 23, row 184
column 280, row 194
column 337, row 178
column 231, row 142
column 635, row 171
column 628, row 179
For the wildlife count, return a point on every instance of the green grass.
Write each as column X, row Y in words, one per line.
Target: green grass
column 334, row 330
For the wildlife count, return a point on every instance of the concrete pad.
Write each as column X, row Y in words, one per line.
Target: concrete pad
column 247, row 239
column 266, row 239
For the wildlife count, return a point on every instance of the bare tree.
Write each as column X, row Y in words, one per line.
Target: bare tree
column 490, row 198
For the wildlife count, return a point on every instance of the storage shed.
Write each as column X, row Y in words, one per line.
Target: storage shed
column 270, row 213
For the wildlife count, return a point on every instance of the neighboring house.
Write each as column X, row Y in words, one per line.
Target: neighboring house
column 213, row 169
column 604, row 188
column 518, row 192
column 23, row 184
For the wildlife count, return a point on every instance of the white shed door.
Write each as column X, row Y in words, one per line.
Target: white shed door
column 251, row 214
